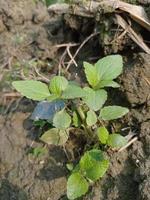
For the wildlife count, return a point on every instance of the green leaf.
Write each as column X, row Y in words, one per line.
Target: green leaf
column 116, row 140
column 58, row 84
column 69, row 166
column 39, row 151
column 91, row 74
column 93, row 165
column 95, row 99
column 109, row 67
column 73, row 91
column 35, row 90
column 113, row 112
column 91, row 118
column 55, row 136
column 102, row 134
column 76, row 120
column 108, row 83
column 76, row 186
column 62, row 120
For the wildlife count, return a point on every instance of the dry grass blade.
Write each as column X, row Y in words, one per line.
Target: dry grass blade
column 132, row 34
column 136, row 12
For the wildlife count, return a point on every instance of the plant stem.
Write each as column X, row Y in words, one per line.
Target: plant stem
column 82, row 116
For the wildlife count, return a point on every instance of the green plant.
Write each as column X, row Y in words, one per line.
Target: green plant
column 84, row 110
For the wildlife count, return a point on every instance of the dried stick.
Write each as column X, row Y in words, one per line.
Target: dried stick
column 80, row 47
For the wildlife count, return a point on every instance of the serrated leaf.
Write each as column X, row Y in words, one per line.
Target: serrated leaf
column 108, row 83
column 93, row 165
column 58, row 84
column 47, row 110
column 91, row 118
column 102, row 134
column 95, row 99
column 76, row 120
column 62, row 120
column 116, row 140
column 31, row 89
column 55, row 136
column 73, row 91
column 92, row 76
column 113, row 112
column 109, row 67
column 76, row 186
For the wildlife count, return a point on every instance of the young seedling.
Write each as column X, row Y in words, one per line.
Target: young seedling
column 86, row 111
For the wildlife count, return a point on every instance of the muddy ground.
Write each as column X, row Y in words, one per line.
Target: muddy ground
column 28, row 33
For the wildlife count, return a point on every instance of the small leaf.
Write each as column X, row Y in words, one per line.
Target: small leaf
column 76, row 186
column 95, row 99
column 35, row 90
column 76, row 120
column 62, row 120
column 109, row 67
column 91, row 74
column 102, row 134
column 58, row 84
column 93, row 165
column 108, row 83
column 73, row 91
column 91, row 118
column 69, row 166
column 55, row 136
column 116, row 140
column 47, row 110
column 113, row 112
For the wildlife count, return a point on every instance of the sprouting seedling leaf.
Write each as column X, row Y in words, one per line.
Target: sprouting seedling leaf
column 62, row 120
column 91, row 118
column 109, row 67
column 77, row 186
column 76, row 119
column 95, row 99
column 39, row 151
column 55, row 136
column 113, row 112
column 73, row 91
column 69, row 166
column 91, row 74
column 102, row 134
column 34, row 90
column 93, row 165
column 58, row 84
column 116, row 140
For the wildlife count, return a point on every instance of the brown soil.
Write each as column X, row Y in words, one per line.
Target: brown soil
column 26, row 32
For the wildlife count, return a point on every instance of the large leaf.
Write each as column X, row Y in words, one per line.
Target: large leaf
column 47, row 110
column 109, row 67
column 116, row 140
column 35, row 90
column 91, row 118
column 62, row 120
column 113, row 112
column 91, row 74
column 76, row 186
column 95, row 99
column 58, row 84
column 73, row 91
column 93, row 165
column 55, row 136
column 102, row 134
